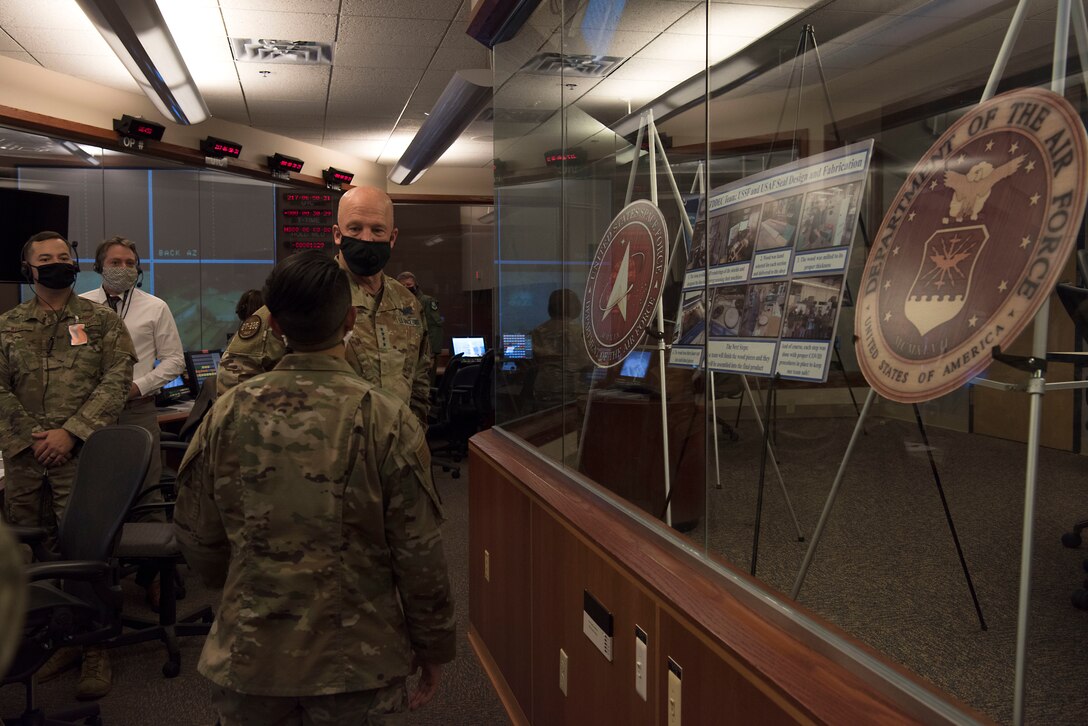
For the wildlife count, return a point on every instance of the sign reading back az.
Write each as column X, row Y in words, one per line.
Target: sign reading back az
column 972, row 246
column 624, row 283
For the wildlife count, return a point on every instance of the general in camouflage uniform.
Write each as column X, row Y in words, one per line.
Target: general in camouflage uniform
column 307, row 491
column 65, row 370
column 388, row 345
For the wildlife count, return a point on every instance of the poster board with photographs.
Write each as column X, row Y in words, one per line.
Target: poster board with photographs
column 767, row 268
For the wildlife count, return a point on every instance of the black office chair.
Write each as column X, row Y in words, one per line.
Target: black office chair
column 74, row 596
column 468, row 409
column 179, row 442
column 152, row 543
column 440, row 395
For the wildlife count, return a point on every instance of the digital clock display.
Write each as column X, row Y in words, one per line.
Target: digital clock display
column 336, row 176
column 220, row 148
column 304, row 221
column 281, row 163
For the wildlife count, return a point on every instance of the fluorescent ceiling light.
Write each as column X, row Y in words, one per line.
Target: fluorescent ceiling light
column 467, row 94
column 80, row 152
column 137, row 33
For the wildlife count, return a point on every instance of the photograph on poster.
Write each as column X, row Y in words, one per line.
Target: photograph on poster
column 828, row 215
column 727, row 310
column 778, row 246
column 763, row 310
column 779, row 223
column 692, row 320
column 740, row 242
column 812, row 307
column 697, row 253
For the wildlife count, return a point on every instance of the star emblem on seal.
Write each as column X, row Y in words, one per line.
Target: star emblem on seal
column 624, row 283
column 987, row 238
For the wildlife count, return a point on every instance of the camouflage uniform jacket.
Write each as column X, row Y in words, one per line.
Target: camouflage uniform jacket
column 79, row 388
column 308, row 492
column 559, row 354
column 388, row 347
column 434, row 322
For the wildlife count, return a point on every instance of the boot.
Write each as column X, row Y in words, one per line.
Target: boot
column 96, row 678
column 61, row 661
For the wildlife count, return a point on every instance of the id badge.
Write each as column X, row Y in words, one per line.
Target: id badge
column 77, row 334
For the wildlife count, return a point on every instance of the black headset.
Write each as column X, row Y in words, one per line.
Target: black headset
column 24, row 266
column 100, row 256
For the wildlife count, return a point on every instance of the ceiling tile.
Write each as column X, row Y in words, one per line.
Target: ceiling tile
column 457, row 37
column 18, row 55
column 323, row 7
column 8, row 43
column 47, row 40
column 346, row 79
column 297, row 83
column 448, row 58
column 303, row 108
column 280, row 26
column 349, row 55
column 655, row 16
column 266, row 118
column 392, row 31
column 106, row 71
column 54, row 14
column 433, row 9
column 371, row 102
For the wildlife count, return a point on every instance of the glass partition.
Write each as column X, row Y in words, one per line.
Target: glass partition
column 817, row 113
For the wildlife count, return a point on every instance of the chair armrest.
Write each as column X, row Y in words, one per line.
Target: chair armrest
column 174, row 445
column 141, row 509
column 29, row 535
column 165, row 436
column 86, row 570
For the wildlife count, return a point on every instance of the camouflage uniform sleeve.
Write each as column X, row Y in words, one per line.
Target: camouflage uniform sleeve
column 412, row 518
column 104, row 405
column 421, row 382
column 197, row 524
column 244, row 359
column 15, row 436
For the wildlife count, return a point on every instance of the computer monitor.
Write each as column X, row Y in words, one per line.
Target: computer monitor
column 517, row 346
column 469, row 347
column 174, row 391
column 201, row 365
column 636, row 365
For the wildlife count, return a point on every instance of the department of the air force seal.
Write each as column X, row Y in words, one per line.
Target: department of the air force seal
column 972, row 246
column 624, row 283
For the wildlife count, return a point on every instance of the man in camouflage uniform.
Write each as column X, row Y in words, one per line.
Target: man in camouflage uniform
column 430, row 310
column 65, row 370
column 388, row 346
column 307, row 491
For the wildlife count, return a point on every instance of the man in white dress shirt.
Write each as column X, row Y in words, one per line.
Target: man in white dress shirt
column 153, row 331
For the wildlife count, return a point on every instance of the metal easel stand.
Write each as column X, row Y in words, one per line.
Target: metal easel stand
column 808, row 36
column 647, row 126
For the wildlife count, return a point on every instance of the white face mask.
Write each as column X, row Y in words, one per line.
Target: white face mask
column 119, row 279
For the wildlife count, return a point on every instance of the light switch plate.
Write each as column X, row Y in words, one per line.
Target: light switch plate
column 675, row 673
column 640, row 662
column 563, row 665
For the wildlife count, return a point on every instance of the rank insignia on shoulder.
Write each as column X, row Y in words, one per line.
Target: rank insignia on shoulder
column 250, row 327
column 434, row 304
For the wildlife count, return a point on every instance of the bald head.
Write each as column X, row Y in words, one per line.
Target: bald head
column 364, row 214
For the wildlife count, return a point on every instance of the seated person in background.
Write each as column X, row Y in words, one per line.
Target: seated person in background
column 308, row 492
column 559, row 353
column 249, row 303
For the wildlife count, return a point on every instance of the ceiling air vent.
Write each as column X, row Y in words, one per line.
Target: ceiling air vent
column 295, row 52
column 582, row 66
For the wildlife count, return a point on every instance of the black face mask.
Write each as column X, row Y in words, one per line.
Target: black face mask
column 57, row 275
column 364, row 257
